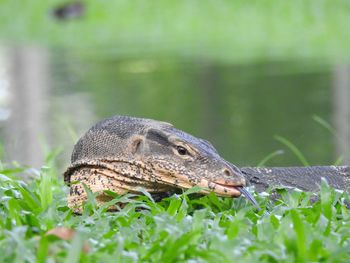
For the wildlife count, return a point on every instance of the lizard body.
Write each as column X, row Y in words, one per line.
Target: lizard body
column 123, row 153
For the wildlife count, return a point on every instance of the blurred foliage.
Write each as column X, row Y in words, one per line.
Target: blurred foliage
column 225, row 30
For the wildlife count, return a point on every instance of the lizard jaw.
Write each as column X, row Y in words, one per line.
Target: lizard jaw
column 227, row 190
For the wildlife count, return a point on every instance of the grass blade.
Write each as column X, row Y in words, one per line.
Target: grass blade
column 293, row 148
column 269, row 157
column 300, row 234
column 325, row 124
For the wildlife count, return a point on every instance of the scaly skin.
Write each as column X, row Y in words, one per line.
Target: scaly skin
column 121, row 154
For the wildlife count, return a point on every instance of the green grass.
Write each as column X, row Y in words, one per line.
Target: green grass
column 181, row 228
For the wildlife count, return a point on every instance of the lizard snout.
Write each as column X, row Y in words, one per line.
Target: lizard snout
column 231, row 182
column 228, row 181
column 232, row 177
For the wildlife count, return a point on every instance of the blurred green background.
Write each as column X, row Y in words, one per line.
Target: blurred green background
column 237, row 73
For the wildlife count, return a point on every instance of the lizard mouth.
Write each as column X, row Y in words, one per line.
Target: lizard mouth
column 227, row 189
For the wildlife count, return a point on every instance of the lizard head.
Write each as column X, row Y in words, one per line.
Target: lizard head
column 182, row 160
column 123, row 153
column 174, row 158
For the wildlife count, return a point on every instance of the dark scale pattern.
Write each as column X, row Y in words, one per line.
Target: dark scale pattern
column 108, row 138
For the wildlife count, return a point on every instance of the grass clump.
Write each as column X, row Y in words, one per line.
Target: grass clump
column 37, row 226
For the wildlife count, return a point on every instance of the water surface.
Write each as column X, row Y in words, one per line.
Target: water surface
column 239, row 108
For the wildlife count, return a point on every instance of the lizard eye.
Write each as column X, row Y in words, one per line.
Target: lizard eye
column 181, row 150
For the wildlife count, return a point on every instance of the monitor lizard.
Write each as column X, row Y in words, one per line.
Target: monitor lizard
column 122, row 154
